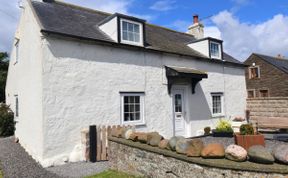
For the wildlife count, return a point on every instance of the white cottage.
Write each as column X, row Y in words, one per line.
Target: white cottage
column 72, row 67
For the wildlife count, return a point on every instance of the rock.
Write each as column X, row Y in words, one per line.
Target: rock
column 164, row 144
column 181, row 146
column 117, row 132
column 134, row 136
column 280, row 153
column 235, row 153
column 195, row 147
column 142, row 137
column 213, row 150
column 154, row 139
column 128, row 133
column 260, row 154
column 173, row 141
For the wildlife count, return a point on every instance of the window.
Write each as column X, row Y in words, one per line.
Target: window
column 254, row 72
column 215, row 50
column 131, row 32
column 16, row 51
column 132, row 108
column 263, row 93
column 251, row 93
column 16, row 106
column 178, row 103
column 217, row 104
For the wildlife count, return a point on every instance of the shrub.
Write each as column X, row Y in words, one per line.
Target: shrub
column 7, row 123
column 224, row 126
column 207, row 130
column 246, row 129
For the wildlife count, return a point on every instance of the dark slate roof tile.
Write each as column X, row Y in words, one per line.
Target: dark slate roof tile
column 281, row 64
column 62, row 18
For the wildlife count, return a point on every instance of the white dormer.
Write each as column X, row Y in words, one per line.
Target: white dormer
column 124, row 29
column 209, row 47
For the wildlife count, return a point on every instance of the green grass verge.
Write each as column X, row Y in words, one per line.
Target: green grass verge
column 112, row 174
column 1, row 175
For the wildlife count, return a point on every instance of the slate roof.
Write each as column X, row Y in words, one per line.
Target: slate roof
column 281, row 64
column 79, row 22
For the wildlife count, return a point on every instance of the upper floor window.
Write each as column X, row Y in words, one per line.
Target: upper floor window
column 132, row 108
column 131, row 32
column 254, row 72
column 215, row 50
column 17, row 51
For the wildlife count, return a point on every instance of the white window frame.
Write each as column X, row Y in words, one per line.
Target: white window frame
column 249, row 72
column 142, row 107
column 17, row 51
column 222, row 105
column 16, row 112
column 140, row 43
column 220, row 50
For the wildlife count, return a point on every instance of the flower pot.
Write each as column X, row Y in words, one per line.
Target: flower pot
column 246, row 141
column 221, row 134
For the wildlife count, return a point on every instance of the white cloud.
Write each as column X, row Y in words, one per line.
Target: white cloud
column 163, row 5
column 9, row 13
column 180, row 25
column 212, row 31
column 241, row 39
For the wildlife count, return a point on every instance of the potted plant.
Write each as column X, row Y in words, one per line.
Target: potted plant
column 248, row 137
column 223, row 129
column 207, row 130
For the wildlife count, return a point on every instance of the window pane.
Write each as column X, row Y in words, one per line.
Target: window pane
column 126, row 116
column 137, row 116
column 130, row 36
column 130, row 27
column 137, row 108
column 137, row 37
column 125, row 35
column 136, row 28
column 178, row 103
column 216, row 104
column 214, row 49
column 132, row 108
column 137, row 99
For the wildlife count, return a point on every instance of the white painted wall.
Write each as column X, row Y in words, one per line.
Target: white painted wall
column 81, row 85
column 25, row 79
column 201, row 46
column 110, row 28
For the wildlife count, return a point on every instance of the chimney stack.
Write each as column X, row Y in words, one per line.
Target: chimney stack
column 196, row 29
column 279, row 56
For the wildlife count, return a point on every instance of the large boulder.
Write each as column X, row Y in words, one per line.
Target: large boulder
column 182, row 146
column 280, row 153
column 128, row 133
column 260, row 154
column 213, row 150
column 173, row 141
column 154, row 138
column 134, row 136
column 164, row 144
column 195, row 147
column 117, row 132
column 235, row 153
column 189, row 147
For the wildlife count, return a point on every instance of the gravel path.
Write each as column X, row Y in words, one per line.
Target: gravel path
column 16, row 163
column 80, row 169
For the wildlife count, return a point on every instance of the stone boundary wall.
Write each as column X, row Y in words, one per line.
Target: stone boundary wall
column 147, row 161
column 273, row 107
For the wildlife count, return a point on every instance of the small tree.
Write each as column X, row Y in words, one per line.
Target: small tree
column 7, row 123
column 4, row 63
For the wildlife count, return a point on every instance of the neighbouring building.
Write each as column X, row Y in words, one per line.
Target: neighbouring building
column 266, row 76
column 72, row 67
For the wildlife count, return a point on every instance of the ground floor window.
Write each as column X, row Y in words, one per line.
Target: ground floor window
column 132, row 108
column 251, row 93
column 16, row 106
column 263, row 93
column 217, row 104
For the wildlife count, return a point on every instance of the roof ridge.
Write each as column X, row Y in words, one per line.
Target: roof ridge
column 106, row 13
column 281, row 59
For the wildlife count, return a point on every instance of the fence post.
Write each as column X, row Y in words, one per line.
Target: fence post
column 92, row 141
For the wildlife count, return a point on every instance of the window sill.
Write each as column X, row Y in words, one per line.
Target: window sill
column 218, row 115
column 134, row 123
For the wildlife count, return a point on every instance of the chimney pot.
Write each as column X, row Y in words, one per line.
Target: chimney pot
column 195, row 19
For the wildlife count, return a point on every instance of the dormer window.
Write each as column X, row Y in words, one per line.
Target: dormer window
column 215, row 50
column 131, row 32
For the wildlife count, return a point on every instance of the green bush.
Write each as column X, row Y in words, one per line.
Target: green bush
column 7, row 123
column 224, row 126
column 246, row 129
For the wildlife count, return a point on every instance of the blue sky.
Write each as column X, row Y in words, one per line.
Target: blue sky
column 245, row 26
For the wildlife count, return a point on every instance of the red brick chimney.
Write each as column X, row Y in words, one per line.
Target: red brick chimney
column 195, row 19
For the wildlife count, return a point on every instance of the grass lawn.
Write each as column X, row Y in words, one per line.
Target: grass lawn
column 1, row 176
column 112, row 174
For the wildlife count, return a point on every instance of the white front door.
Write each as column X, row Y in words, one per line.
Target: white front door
column 179, row 111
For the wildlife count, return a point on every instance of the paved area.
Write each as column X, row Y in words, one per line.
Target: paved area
column 80, row 169
column 16, row 163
